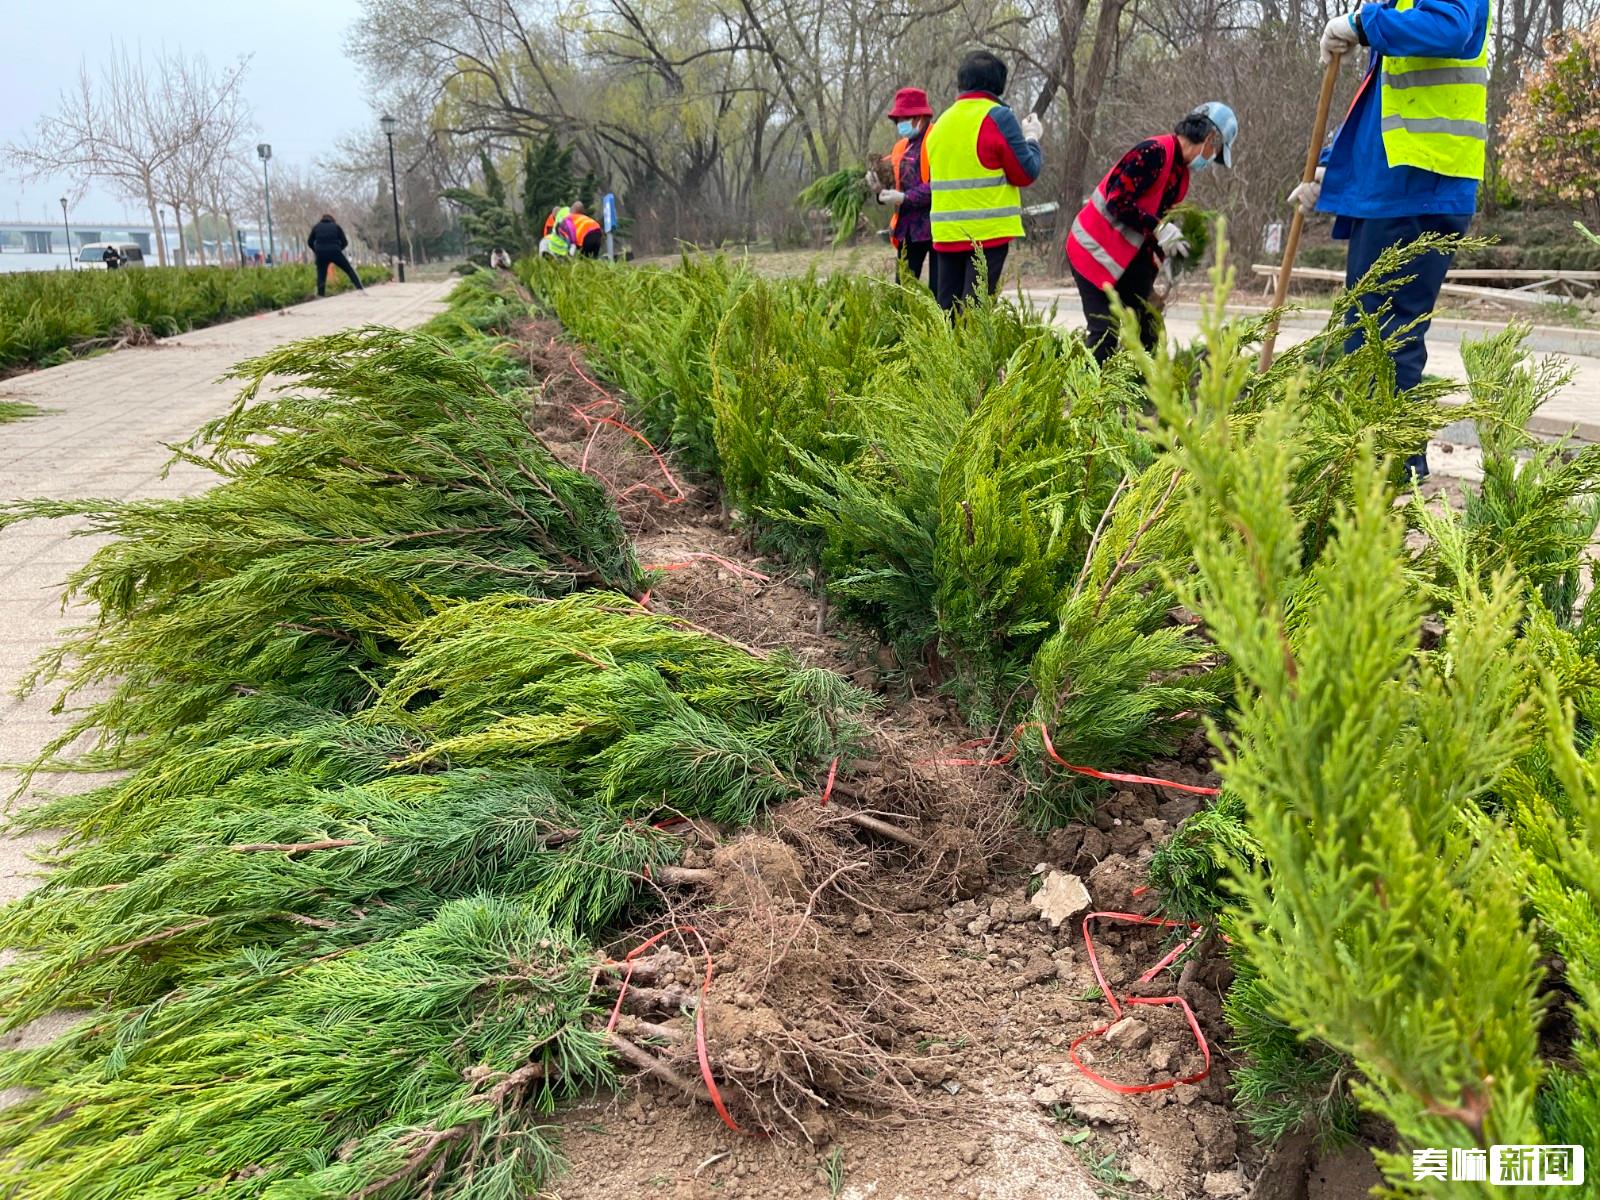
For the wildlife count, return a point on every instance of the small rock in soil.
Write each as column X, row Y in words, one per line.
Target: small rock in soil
column 1151, row 1171
column 1061, row 897
column 1040, row 970
column 1094, row 845
column 1063, row 1084
column 1129, row 1034
column 862, row 925
column 1112, row 881
column 1223, row 1184
column 1125, row 839
column 1217, row 1134
column 1161, row 1056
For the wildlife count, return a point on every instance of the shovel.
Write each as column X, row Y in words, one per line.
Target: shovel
column 1319, row 132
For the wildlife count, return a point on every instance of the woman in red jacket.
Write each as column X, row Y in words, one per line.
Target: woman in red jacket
column 1119, row 238
column 910, row 230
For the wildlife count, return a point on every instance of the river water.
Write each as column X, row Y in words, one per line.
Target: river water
column 13, row 261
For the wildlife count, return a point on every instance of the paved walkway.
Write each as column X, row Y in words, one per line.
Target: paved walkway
column 103, row 435
column 1576, row 408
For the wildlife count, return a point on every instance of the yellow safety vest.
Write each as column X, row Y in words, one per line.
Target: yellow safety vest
column 972, row 203
column 1436, row 110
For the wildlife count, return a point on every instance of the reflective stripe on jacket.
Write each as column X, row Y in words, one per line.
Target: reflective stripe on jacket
column 1100, row 247
column 1435, row 111
column 972, row 203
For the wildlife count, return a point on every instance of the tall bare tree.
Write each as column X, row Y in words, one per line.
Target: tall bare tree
column 210, row 105
column 121, row 128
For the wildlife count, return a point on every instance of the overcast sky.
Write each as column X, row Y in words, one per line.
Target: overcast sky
column 303, row 92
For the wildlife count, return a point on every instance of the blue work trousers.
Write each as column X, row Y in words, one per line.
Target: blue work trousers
column 1370, row 237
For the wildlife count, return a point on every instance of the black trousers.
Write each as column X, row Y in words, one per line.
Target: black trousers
column 955, row 273
column 592, row 241
column 336, row 259
column 913, row 255
column 1133, row 289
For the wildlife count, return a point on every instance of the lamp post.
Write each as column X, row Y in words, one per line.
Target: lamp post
column 388, row 124
column 71, row 263
column 264, row 149
column 161, row 233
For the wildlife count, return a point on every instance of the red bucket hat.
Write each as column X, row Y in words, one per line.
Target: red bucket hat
column 910, row 102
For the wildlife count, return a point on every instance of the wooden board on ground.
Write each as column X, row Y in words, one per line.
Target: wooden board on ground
column 1511, row 296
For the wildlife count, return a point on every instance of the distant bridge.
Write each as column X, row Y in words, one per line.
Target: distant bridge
column 41, row 237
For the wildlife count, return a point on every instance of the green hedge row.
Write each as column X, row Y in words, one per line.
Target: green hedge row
column 47, row 317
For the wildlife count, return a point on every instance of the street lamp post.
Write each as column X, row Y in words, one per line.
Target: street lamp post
column 388, row 124
column 161, row 234
column 265, row 151
column 71, row 263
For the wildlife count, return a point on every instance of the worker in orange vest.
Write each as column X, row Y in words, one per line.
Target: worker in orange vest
column 910, row 229
column 584, row 231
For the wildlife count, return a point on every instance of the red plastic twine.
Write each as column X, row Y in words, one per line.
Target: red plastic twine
column 1050, row 750
column 827, row 790
column 586, row 414
column 706, row 556
column 1129, row 1089
column 594, row 422
column 700, row 1047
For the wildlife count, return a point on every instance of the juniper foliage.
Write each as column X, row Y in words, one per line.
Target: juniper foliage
column 1358, row 761
column 425, row 1060
column 389, row 475
column 333, row 923
column 980, row 496
column 1538, row 507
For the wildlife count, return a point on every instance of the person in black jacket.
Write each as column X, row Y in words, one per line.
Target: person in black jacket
column 327, row 242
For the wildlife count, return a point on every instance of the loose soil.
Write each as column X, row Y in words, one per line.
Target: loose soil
column 894, row 1020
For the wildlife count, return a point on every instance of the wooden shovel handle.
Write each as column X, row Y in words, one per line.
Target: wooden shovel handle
column 1319, row 132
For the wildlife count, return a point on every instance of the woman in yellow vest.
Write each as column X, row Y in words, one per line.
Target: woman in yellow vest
column 554, row 243
column 976, row 158
column 1409, row 157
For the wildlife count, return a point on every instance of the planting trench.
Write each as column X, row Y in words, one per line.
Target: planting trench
column 933, row 956
column 857, row 996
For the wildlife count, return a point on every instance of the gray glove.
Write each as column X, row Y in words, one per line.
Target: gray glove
column 1340, row 38
column 891, row 197
column 1306, row 195
column 1171, row 240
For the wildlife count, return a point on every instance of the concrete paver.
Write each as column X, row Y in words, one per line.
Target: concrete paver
column 105, row 432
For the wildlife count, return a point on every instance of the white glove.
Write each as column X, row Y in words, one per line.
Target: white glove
column 874, row 184
column 1032, row 127
column 891, row 197
column 1171, row 240
column 1306, row 195
column 1340, row 37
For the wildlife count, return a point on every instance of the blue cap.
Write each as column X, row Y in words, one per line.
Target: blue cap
column 1227, row 125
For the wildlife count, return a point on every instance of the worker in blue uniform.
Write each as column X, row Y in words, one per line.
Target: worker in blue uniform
column 1409, row 157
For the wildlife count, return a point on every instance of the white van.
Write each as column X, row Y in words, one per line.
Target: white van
column 93, row 254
